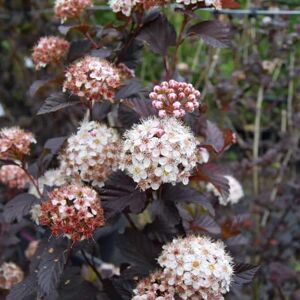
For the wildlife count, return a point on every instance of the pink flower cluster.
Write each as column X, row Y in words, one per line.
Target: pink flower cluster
column 15, row 143
column 155, row 286
column 92, row 78
column 174, row 98
column 49, row 49
column 66, row 9
column 10, row 275
column 73, row 210
column 13, row 177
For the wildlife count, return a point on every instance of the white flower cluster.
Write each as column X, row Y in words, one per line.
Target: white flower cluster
column 91, row 155
column 215, row 3
column 160, row 151
column 123, row 6
column 235, row 191
column 10, row 275
column 53, row 177
column 197, row 268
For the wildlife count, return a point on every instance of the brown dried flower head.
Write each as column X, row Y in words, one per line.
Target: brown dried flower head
column 49, row 49
column 67, row 9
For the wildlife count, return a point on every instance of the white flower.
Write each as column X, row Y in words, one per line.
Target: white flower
column 53, row 177
column 123, row 6
column 160, row 151
column 203, row 269
column 235, row 191
column 215, row 3
column 91, row 155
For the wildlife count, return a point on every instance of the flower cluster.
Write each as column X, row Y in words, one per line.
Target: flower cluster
column 215, row 3
column 235, row 191
column 72, row 210
column 91, row 154
column 15, row 143
column 13, row 177
column 49, row 49
column 126, row 7
column 92, row 78
column 174, row 98
column 197, row 268
column 66, row 9
column 155, row 286
column 54, row 177
column 10, row 275
column 159, row 151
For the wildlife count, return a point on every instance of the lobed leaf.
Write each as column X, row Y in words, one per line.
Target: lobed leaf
column 244, row 273
column 214, row 33
column 159, row 35
column 51, row 267
column 56, row 102
column 120, row 193
column 19, row 207
column 25, row 289
column 182, row 194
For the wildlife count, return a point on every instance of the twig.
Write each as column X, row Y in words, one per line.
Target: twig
column 130, row 221
column 260, row 97
column 33, row 181
column 290, row 90
column 91, row 265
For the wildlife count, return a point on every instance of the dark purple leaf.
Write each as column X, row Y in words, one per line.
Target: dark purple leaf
column 214, row 137
column 281, row 272
column 127, row 116
column 73, row 286
column 196, row 122
column 139, row 251
column 199, row 223
column 24, row 289
column 101, row 110
column 56, row 102
column 51, row 267
column 131, row 58
column 244, row 273
column 182, row 194
column 120, row 192
column 51, row 148
column 19, row 207
column 102, row 53
column 237, row 241
column 132, row 88
column 215, row 175
column 161, row 230
column 165, row 209
column 159, row 35
column 213, row 33
column 143, row 107
column 79, row 49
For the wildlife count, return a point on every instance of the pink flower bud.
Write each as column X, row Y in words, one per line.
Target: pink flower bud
column 177, row 113
column 162, row 113
column 176, row 104
column 172, row 96
column 153, row 95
